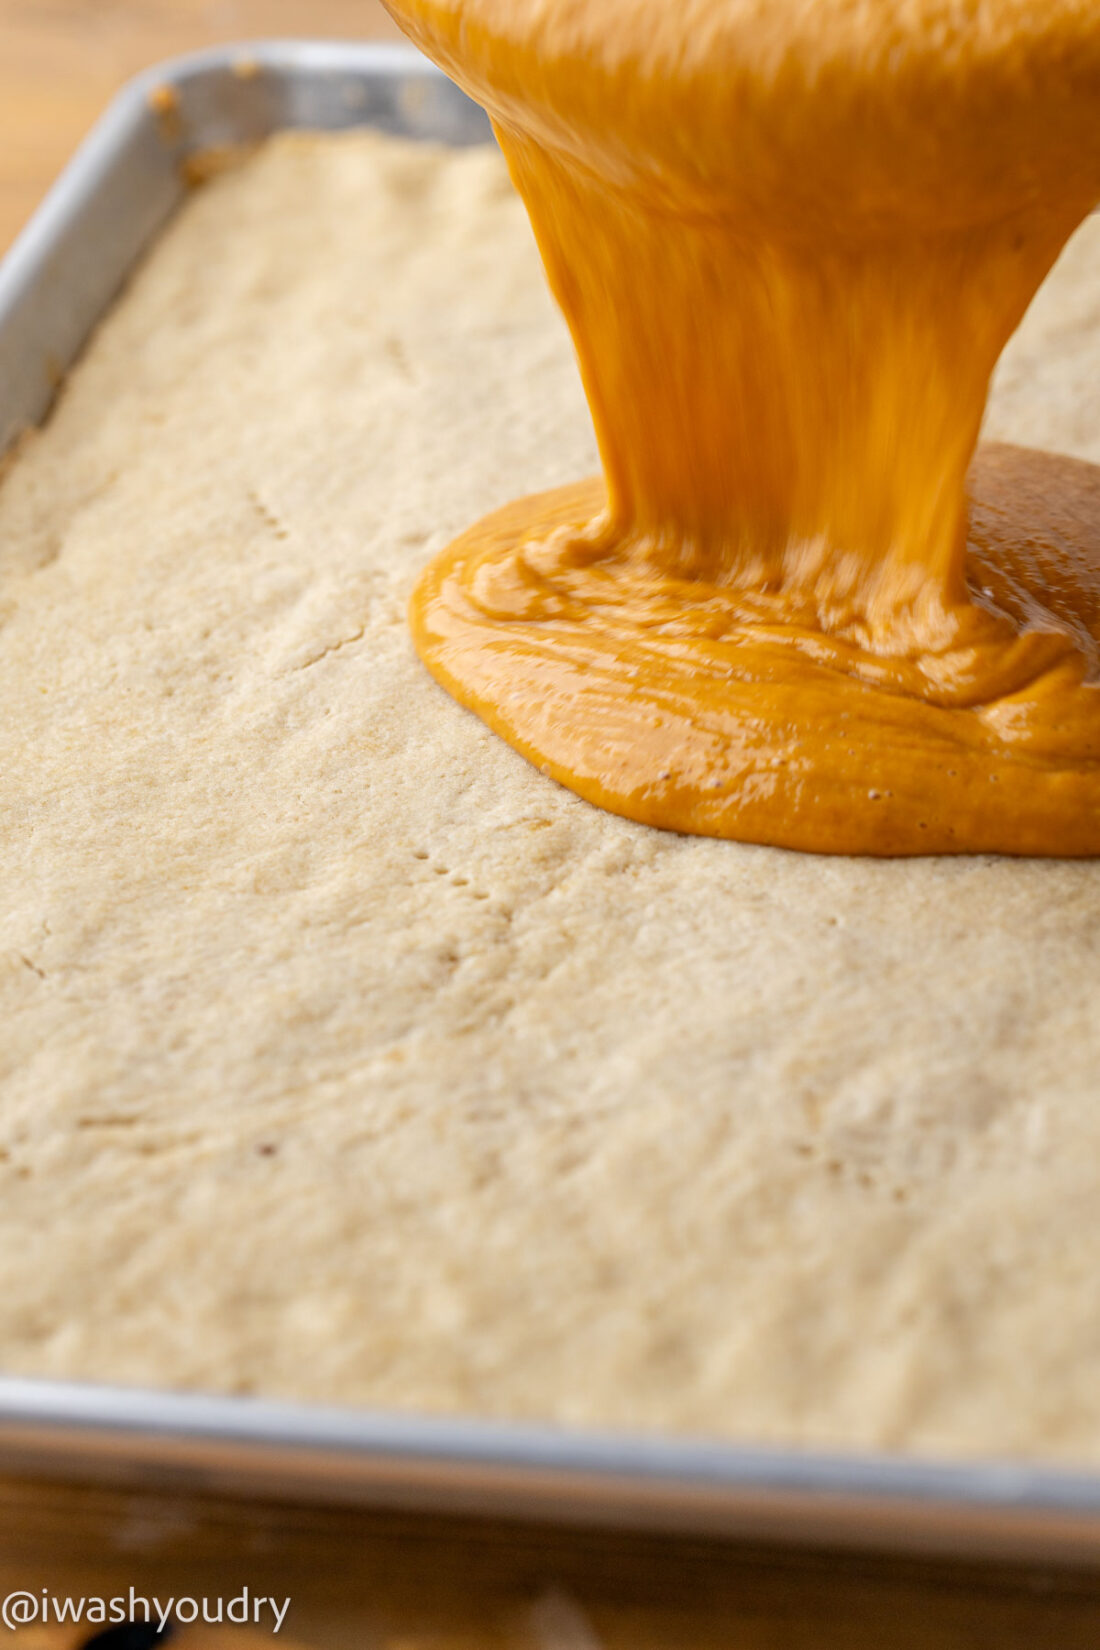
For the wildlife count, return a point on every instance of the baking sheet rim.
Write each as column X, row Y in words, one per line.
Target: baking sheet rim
column 203, row 1442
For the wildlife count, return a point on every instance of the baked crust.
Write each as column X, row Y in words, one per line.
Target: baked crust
column 347, row 1057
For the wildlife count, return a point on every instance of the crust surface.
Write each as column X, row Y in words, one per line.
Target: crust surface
column 347, row 1057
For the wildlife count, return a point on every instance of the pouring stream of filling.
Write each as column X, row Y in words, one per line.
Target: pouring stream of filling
column 790, row 243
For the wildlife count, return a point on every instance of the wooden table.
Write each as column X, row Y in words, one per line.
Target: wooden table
column 384, row 1581
column 360, row 1581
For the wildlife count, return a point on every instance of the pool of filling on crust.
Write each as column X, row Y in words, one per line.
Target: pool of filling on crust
column 344, row 1056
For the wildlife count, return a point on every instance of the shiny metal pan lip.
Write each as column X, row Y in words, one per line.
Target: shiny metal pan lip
column 58, row 279
column 207, row 1444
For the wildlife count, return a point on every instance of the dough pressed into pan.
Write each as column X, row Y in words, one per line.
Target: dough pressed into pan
column 345, row 1056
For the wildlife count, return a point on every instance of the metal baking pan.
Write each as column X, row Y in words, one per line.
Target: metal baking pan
column 131, row 173
column 55, row 283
